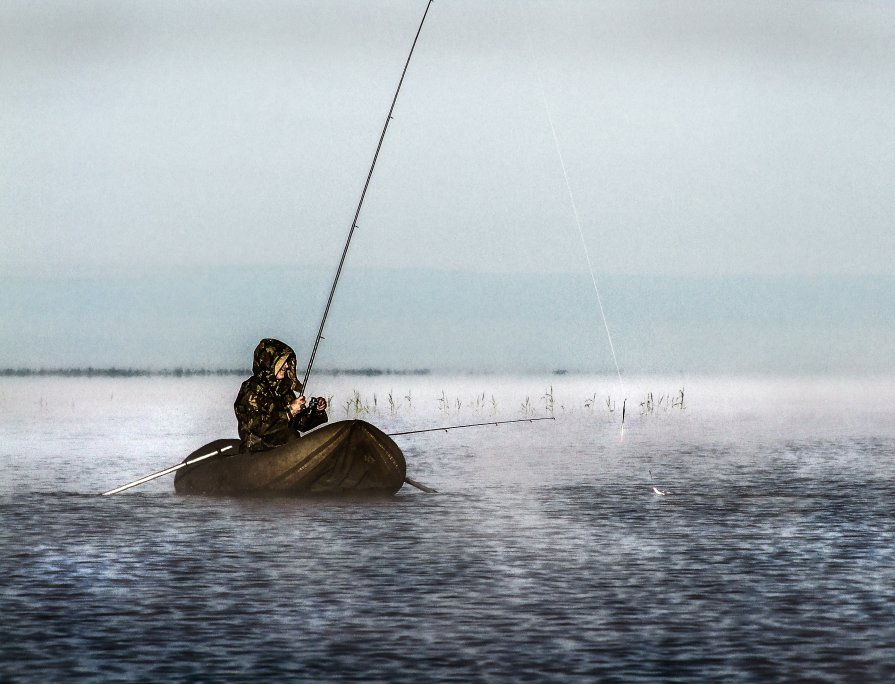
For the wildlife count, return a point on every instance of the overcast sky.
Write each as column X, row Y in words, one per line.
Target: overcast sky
column 700, row 138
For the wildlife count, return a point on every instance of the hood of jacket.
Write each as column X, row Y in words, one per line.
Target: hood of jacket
column 270, row 355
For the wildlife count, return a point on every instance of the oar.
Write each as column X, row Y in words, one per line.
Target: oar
column 147, row 478
column 420, row 486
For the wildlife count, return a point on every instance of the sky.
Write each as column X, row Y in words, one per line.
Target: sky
column 157, row 155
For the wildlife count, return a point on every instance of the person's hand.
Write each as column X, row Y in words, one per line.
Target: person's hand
column 321, row 404
column 297, row 405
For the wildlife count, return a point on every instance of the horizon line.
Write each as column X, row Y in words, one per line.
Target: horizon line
column 114, row 371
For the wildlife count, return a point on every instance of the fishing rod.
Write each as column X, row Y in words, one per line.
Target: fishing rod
column 429, row 490
column 160, row 473
column 360, row 203
column 457, row 427
column 416, row 484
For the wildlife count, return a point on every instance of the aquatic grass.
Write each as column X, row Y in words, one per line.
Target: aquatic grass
column 357, row 406
column 393, row 406
column 648, row 405
column 590, row 403
column 446, row 405
column 665, row 402
column 479, row 402
column 651, row 403
column 549, row 400
column 443, row 403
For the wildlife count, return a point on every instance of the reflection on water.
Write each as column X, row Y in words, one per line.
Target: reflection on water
column 544, row 556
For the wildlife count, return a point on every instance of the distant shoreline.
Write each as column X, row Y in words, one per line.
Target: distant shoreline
column 91, row 372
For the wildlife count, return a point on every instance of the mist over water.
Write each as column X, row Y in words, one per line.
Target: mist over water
column 544, row 555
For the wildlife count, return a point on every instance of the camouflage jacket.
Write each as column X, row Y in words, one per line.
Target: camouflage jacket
column 262, row 405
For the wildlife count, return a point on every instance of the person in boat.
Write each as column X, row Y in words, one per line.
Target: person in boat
column 270, row 408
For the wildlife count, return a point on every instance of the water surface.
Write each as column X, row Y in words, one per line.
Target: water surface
column 545, row 554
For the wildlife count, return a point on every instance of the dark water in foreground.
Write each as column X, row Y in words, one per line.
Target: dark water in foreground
column 545, row 556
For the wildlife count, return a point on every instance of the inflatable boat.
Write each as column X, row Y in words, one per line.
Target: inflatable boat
column 349, row 457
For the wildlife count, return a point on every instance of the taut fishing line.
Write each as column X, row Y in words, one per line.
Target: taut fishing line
column 574, row 206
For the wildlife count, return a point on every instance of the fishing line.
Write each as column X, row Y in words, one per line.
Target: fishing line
column 574, row 206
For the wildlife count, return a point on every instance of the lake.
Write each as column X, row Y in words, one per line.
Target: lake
column 545, row 555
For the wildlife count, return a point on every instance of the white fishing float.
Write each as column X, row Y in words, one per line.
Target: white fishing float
column 656, row 490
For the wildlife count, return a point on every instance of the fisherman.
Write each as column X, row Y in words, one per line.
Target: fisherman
column 270, row 408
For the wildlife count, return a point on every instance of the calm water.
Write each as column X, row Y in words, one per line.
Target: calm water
column 544, row 556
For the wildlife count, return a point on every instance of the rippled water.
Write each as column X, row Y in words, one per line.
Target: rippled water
column 545, row 554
